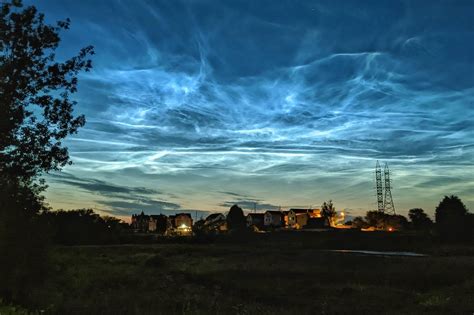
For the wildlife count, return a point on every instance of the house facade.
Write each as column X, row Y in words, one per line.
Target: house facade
column 255, row 219
column 298, row 218
column 273, row 219
column 181, row 223
column 139, row 222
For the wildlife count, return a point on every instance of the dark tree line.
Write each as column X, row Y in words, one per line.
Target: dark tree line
column 83, row 227
column 453, row 222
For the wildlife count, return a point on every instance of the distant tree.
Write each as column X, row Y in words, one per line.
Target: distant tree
column 199, row 227
column 359, row 223
column 235, row 218
column 383, row 221
column 328, row 211
column 419, row 219
column 36, row 114
column 162, row 224
column 376, row 219
column 83, row 227
column 111, row 222
column 452, row 221
column 395, row 221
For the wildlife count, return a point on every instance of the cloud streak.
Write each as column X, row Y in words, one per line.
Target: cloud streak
column 276, row 93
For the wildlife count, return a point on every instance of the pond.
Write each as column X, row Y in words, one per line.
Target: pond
column 377, row 253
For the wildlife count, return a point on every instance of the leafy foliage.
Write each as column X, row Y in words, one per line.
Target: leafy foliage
column 328, row 210
column 452, row 220
column 419, row 219
column 83, row 227
column 383, row 221
column 235, row 218
column 23, row 240
column 359, row 223
column 36, row 111
column 162, row 224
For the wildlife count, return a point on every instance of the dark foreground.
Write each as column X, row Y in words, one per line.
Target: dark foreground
column 277, row 274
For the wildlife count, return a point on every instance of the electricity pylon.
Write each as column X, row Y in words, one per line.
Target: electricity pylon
column 379, row 187
column 388, row 205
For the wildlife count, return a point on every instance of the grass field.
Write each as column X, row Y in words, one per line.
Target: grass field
column 267, row 274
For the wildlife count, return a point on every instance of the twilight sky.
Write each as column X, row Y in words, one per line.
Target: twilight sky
column 196, row 105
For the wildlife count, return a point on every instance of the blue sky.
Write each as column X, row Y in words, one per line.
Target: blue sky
column 196, row 105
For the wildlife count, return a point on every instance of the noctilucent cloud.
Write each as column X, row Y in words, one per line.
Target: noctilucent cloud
column 197, row 105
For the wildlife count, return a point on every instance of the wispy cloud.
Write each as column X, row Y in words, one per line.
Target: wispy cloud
column 250, row 205
column 274, row 92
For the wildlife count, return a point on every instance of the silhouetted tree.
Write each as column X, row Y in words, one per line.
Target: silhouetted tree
column 162, row 224
column 383, row 221
column 199, row 227
column 23, row 241
column 36, row 113
column 470, row 226
column 452, row 221
column 83, row 227
column 395, row 221
column 359, row 223
column 112, row 222
column 419, row 219
column 375, row 219
column 235, row 218
column 328, row 211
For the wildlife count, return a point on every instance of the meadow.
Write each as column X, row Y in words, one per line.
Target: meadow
column 274, row 273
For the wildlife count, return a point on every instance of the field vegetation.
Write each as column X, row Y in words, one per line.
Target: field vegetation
column 275, row 273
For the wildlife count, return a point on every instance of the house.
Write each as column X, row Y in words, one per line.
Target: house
column 273, row 219
column 139, row 222
column 181, row 223
column 297, row 218
column 255, row 219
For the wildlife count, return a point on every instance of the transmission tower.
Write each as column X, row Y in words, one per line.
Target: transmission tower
column 388, row 201
column 379, row 187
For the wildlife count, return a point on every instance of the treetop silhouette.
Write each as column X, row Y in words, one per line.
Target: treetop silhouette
column 36, row 110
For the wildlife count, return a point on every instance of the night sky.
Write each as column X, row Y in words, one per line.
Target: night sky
column 197, row 105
